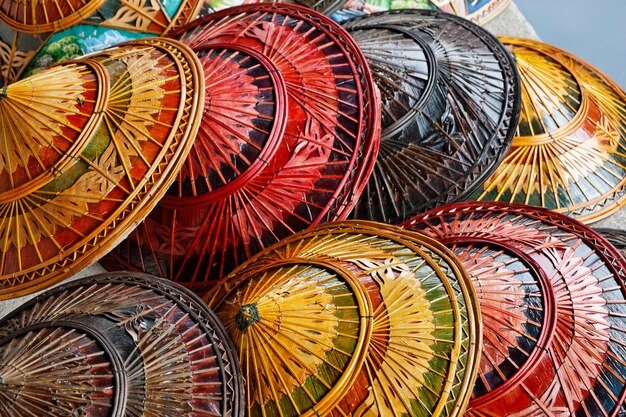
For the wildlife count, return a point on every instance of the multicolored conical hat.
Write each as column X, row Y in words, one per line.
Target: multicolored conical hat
column 479, row 12
column 552, row 299
column 568, row 152
column 77, row 346
column 272, row 162
column 41, row 30
column 302, row 330
column 451, row 97
column 422, row 355
column 77, row 173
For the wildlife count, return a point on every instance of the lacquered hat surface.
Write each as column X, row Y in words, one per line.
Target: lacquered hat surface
column 294, row 151
column 552, row 299
column 41, row 30
column 82, row 166
column 118, row 345
column 301, row 330
column 422, row 356
column 450, row 94
column 567, row 154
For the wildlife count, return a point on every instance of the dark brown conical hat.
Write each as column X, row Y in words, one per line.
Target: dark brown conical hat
column 89, row 194
column 553, row 303
column 568, row 152
column 176, row 358
column 59, row 368
column 447, row 135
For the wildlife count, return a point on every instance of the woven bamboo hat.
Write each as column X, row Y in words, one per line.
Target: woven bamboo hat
column 286, row 159
column 241, row 129
column 57, row 368
column 568, row 152
column 78, row 174
column 118, row 345
column 41, row 30
column 423, row 353
column 552, row 300
column 302, row 330
column 450, row 96
column 478, row 12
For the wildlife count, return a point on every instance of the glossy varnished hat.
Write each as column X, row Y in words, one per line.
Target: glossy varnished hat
column 450, row 95
column 118, row 345
column 568, row 152
column 294, row 151
column 424, row 349
column 552, row 299
column 302, row 330
column 90, row 147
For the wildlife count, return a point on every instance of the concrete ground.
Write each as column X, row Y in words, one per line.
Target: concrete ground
column 511, row 22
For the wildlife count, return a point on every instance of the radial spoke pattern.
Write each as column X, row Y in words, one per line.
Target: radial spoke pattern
column 568, row 154
column 175, row 357
column 90, row 192
column 571, row 361
column 421, row 357
column 456, row 130
column 41, row 16
column 512, row 308
column 287, row 140
column 300, row 331
column 56, row 371
column 35, row 34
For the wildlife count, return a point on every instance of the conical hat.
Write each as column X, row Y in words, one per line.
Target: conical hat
column 302, row 330
column 450, row 121
column 55, row 369
column 50, row 31
column 553, row 301
column 568, row 153
column 424, row 349
column 478, row 12
column 241, row 129
column 173, row 355
column 65, row 212
column 309, row 171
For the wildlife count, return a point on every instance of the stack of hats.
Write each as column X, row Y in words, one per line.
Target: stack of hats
column 553, row 301
column 353, row 318
column 88, row 148
column 36, row 34
column 288, row 138
column 117, row 345
column 450, row 95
